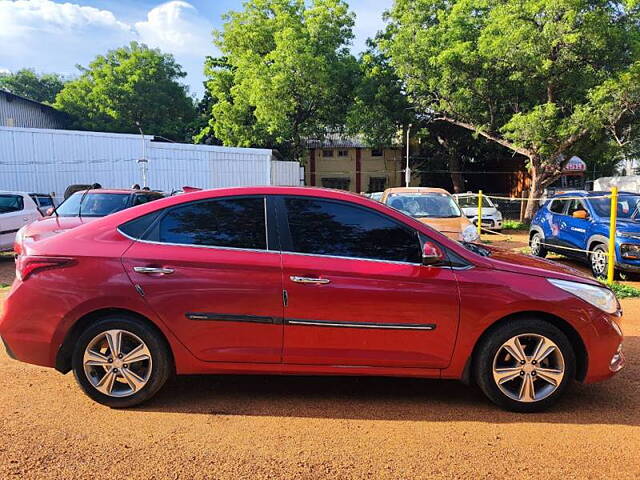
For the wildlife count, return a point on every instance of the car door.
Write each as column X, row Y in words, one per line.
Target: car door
column 554, row 221
column 574, row 230
column 212, row 273
column 357, row 293
column 13, row 216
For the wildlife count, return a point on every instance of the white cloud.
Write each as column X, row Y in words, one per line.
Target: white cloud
column 176, row 27
column 54, row 37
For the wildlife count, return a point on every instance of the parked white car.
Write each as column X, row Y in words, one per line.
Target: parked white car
column 491, row 216
column 18, row 209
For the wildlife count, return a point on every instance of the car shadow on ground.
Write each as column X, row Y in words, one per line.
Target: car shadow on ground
column 377, row 398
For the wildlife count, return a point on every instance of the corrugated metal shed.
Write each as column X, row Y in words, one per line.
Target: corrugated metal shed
column 50, row 160
column 17, row 111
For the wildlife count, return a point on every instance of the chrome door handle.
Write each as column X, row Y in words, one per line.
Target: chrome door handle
column 151, row 270
column 318, row 281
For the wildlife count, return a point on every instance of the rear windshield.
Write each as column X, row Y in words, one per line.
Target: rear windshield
column 93, row 204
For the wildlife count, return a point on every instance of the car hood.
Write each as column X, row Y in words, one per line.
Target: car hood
column 627, row 225
column 49, row 226
column 507, row 260
column 451, row 227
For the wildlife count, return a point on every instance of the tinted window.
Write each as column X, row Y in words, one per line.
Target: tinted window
column 325, row 227
column 43, row 201
column 93, row 204
column 11, row 203
column 137, row 227
column 557, row 206
column 233, row 222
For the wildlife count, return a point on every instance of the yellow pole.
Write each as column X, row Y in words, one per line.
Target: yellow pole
column 611, row 254
column 479, row 213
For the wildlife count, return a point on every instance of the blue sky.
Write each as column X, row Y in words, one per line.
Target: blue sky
column 55, row 36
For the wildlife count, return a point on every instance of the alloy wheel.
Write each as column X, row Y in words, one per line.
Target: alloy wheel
column 528, row 367
column 117, row 363
column 599, row 262
column 535, row 244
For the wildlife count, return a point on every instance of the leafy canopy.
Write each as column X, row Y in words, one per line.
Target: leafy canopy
column 127, row 87
column 286, row 74
column 27, row 83
column 536, row 76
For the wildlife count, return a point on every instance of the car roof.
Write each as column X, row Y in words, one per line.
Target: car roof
column 582, row 193
column 415, row 190
column 114, row 191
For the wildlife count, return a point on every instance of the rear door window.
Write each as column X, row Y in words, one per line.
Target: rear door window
column 557, row 206
column 230, row 222
column 11, row 203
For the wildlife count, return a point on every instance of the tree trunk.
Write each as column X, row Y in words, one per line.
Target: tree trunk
column 540, row 179
column 456, row 175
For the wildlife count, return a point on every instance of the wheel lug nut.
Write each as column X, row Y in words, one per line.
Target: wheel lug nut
column 125, row 366
column 521, row 372
column 119, row 355
column 534, row 362
column 111, row 360
column 533, row 374
column 522, row 362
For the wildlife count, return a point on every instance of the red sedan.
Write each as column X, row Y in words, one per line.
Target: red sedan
column 280, row 280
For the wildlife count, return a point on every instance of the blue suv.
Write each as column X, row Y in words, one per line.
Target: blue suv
column 574, row 221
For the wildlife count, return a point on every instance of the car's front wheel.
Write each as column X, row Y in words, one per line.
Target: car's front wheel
column 525, row 365
column 598, row 261
column 120, row 362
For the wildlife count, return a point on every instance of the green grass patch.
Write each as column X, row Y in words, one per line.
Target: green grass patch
column 624, row 291
column 514, row 225
column 4, row 285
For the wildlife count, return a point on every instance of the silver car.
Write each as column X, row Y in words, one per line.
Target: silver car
column 491, row 216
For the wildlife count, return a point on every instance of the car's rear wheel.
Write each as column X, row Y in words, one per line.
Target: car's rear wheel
column 120, row 362
column 537, row 245
column 598, row 261
column 525, row 365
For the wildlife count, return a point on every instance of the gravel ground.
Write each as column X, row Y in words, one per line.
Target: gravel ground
column 230, row 427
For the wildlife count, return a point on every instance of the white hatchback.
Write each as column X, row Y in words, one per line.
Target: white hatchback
column 18, row 209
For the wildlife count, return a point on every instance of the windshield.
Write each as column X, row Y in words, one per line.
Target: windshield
column 422, row 205
column 627, row 206
column 471, row 201
column 93, row 204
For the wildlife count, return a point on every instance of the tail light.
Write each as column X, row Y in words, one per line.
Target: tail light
column 17, row 243
column 27, row 265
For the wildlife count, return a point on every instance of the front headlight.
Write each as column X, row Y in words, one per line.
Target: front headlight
column 599, row 297
column 469, row 234
column 498, row 215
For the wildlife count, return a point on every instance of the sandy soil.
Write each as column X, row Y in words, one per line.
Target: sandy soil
column 317, row 428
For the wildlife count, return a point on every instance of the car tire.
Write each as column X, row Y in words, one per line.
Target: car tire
column 506, row 381
column 537, row 245
column 119, row 361
column 598, row 260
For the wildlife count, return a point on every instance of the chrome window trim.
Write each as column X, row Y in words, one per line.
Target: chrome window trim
column 387, row 326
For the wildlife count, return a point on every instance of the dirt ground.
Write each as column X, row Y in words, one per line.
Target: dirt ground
column 232, row 427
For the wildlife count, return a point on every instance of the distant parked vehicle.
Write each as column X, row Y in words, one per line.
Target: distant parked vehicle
column 576, row 224
column 83, row 207
column 377, row 196
column 433, row 206
column 18, row 209
column 491, row 216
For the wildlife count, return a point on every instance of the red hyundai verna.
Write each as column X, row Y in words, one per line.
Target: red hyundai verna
column 280, row 280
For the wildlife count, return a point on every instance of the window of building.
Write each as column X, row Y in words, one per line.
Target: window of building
column 327, row 153
column 230, row 222
column 343, row 153
column 325, row 227
column 377, row 184
column 376, row 152
column 339, row 183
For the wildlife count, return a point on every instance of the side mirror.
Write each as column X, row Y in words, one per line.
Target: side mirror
column 49, row 212
column 431, row 254
column 581, row 214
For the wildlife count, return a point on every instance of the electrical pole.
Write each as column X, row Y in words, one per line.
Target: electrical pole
column 143, row 162
column 407, row 171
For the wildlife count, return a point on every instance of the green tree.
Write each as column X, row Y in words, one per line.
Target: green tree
column 380, row 106
column 129, row 87
column 287, row 74
column 27, row 83
column 539, row 77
